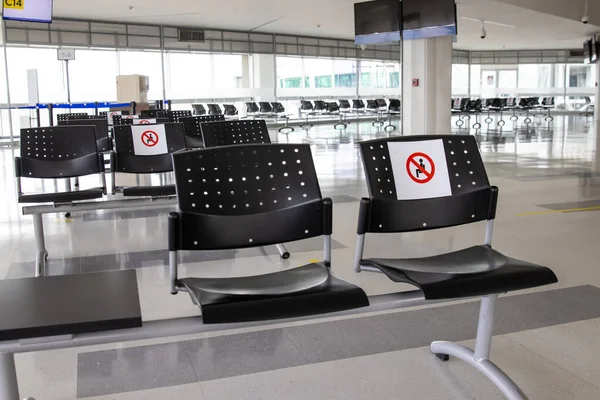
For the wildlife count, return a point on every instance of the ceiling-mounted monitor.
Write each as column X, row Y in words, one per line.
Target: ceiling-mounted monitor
column 587, row 51
column 377, row 22
column 595, row 55
column 28, row 10
column 428, row 18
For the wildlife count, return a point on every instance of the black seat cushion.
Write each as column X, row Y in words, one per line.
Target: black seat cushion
column 307, row 290
column 194, row 142
column 475, row 271
column 62, row 197
column 149, row 191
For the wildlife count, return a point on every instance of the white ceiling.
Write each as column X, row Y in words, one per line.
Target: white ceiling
column 334, row 19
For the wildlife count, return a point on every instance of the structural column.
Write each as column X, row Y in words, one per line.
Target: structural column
column 426, row 86
column 597, row 97
column 264, row 76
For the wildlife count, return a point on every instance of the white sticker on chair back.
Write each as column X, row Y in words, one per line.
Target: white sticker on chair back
column 420, row 169
column 149, row 140
column 144, row 121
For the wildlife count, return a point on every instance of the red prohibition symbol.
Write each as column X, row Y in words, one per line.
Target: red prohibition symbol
column 150, row 138
column 144, row 122
column 417, row 170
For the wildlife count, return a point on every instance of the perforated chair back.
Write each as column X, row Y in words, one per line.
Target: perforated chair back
column 230, row 110
column 149, row 113
column 225, row 133
column 358, row 104
column 372, row 105
column 191, row 125
column 306, row 105
column 395, row 105
column 247, row 195
column 101, row 128
column 127, row 161
column 171, row 116
column 199, row 109
column 333, row 107
column 59, row 152
column 66, row 116
column 214, row 109
column 278, row 108
column 265, row 107
column 123, row 119
column 444, row 173
column 251, row 108
column 381, row 103
column 344, row 105
column 320, row 105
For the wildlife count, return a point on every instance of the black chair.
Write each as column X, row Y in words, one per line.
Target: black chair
column 66, row 116
column 125, row 160
column 462, row 195
column 332, row 107
column 272, row 196
column 225, row 133
column 278, row 108
column 320, row 106
column 345, row 106
column 229, row 110
column 307, row 109
column 266, row 110
column 171, row 115
column 100, row 124
column 358, row 106
column 56, row 153
column 372, row 106
column 252, row 109
column 381, row 103
column 588, row 108
column 193, row 131
column 394, row 108
column 149, row 113
column 214, row 109
column 122, row 120
column 199, row 109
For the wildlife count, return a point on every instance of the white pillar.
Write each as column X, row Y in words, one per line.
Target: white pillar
column 597, row 98
column 264, row 76
column 426, row 107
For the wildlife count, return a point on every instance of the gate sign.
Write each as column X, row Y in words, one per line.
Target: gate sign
column 420, row 169
column 144, row 121
column 149, row 140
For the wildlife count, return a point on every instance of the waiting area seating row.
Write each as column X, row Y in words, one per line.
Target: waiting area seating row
column 273, row 196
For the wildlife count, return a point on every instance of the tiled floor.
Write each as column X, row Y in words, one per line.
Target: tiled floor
column 547, row 338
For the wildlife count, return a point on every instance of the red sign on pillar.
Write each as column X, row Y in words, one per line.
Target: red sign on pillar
column 415, row 82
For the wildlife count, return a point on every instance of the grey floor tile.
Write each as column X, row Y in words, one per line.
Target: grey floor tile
column 134, row 368
column 245, row 353
column 232, row 355
column 61, row 266
column 571, row 205
column 340, row 339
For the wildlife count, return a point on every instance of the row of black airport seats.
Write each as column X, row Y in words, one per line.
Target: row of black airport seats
column 192, row 125
column 79, row 143
column 358, row 105
column 466, row 104
column 262, row 109
column 283, row 202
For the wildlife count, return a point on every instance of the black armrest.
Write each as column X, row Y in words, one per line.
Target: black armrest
column 363, row 216
column 18, row 172
column 173, row 231
column 327, row 216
